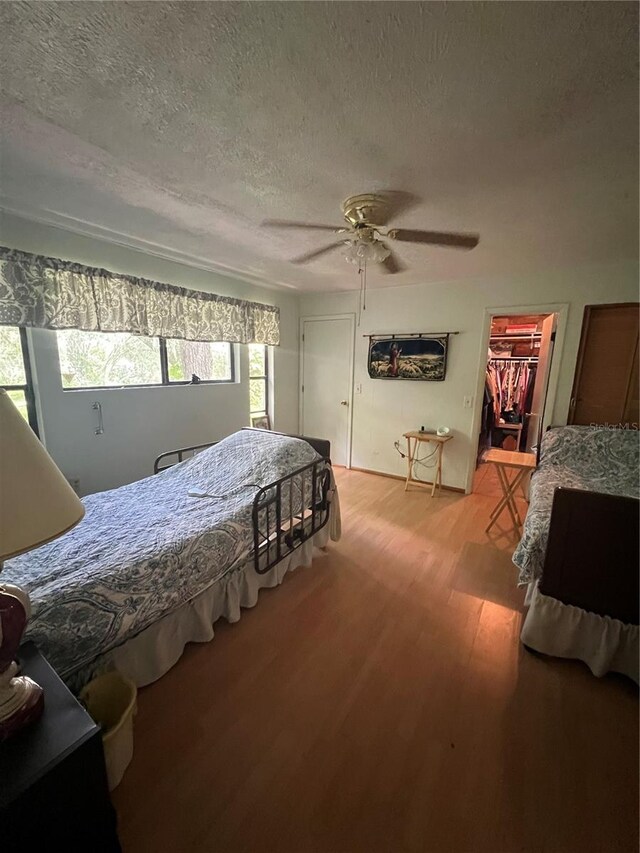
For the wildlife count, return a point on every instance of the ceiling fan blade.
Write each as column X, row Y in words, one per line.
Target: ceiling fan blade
column 396, row 202
column 283, row 223
column 436, row 238
column 302, row 259
column 392, row 263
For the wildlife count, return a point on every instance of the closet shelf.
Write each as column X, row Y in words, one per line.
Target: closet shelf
column 533, row 336
column 514, row 358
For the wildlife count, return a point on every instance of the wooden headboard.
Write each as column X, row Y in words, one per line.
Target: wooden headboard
column 591, row 560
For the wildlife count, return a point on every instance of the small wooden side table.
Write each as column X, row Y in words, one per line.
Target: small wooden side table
column 506, row 461
column 414, row 439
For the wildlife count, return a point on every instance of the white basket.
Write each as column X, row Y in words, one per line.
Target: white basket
column 111, row 701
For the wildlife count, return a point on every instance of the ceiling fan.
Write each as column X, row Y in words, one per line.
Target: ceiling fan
column 366, row 217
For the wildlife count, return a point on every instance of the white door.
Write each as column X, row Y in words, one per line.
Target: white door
column 327, row 350
column 536, row 427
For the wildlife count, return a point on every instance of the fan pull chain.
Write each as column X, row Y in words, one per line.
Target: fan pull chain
column 364, row 287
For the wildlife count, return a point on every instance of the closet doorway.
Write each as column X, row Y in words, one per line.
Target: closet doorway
column 517, row 379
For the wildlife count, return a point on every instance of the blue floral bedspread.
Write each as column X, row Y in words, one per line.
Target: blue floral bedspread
column 579, row 457
column 143, row 550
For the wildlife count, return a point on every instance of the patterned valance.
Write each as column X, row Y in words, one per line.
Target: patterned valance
column 49, row 293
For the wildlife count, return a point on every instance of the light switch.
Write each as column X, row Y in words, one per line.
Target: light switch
column 467, row 402
column 358, row 387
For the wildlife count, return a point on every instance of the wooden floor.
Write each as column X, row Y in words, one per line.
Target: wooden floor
column 380, row 701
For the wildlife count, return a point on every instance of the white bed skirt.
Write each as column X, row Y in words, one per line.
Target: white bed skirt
column 153, row 652
column 564, row 631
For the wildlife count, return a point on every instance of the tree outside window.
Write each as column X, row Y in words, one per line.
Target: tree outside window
column 207, row 361
column 258, row 380
column 107, row 359
column 117, row 359
column 15, row 372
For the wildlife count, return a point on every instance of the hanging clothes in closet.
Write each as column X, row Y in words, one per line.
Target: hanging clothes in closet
column 509, row 382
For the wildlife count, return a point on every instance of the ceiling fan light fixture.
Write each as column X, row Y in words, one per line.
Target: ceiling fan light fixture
column 361, row 252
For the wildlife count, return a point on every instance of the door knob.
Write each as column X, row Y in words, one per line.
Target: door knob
column 344, row 402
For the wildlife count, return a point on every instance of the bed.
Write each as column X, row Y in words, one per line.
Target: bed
column 155, row 563
column 584, row 458
column 578, row 554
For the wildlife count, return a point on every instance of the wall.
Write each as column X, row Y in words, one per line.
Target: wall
column 141, row 423
column 386, row 409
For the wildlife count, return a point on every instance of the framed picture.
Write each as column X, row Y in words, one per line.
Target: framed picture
column 260, row 421
column 413, row 357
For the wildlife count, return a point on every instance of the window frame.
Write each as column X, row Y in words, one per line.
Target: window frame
column 27, row 388
column 164, row 371
column 265, row 378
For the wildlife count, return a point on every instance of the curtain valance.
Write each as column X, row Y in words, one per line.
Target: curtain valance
column 50, row 293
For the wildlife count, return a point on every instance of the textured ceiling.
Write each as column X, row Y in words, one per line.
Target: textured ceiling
column 180, row 126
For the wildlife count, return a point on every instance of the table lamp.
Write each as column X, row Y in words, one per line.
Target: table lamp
column 36, row 505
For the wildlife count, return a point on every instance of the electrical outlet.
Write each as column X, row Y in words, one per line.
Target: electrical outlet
column 467, row 402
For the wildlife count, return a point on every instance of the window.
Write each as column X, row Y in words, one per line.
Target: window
column 107, row 359
column 116, row 359
column 210, row 362
column 15, row 372
column 258, row 380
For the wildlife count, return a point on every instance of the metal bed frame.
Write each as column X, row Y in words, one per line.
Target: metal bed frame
column 179, row 454
column 279, row 528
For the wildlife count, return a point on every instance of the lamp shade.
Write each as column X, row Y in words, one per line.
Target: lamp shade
column 36, row 502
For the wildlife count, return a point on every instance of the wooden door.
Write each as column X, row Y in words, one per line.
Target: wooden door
column 327, row 345
column 537, row 413
column 605, row 387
